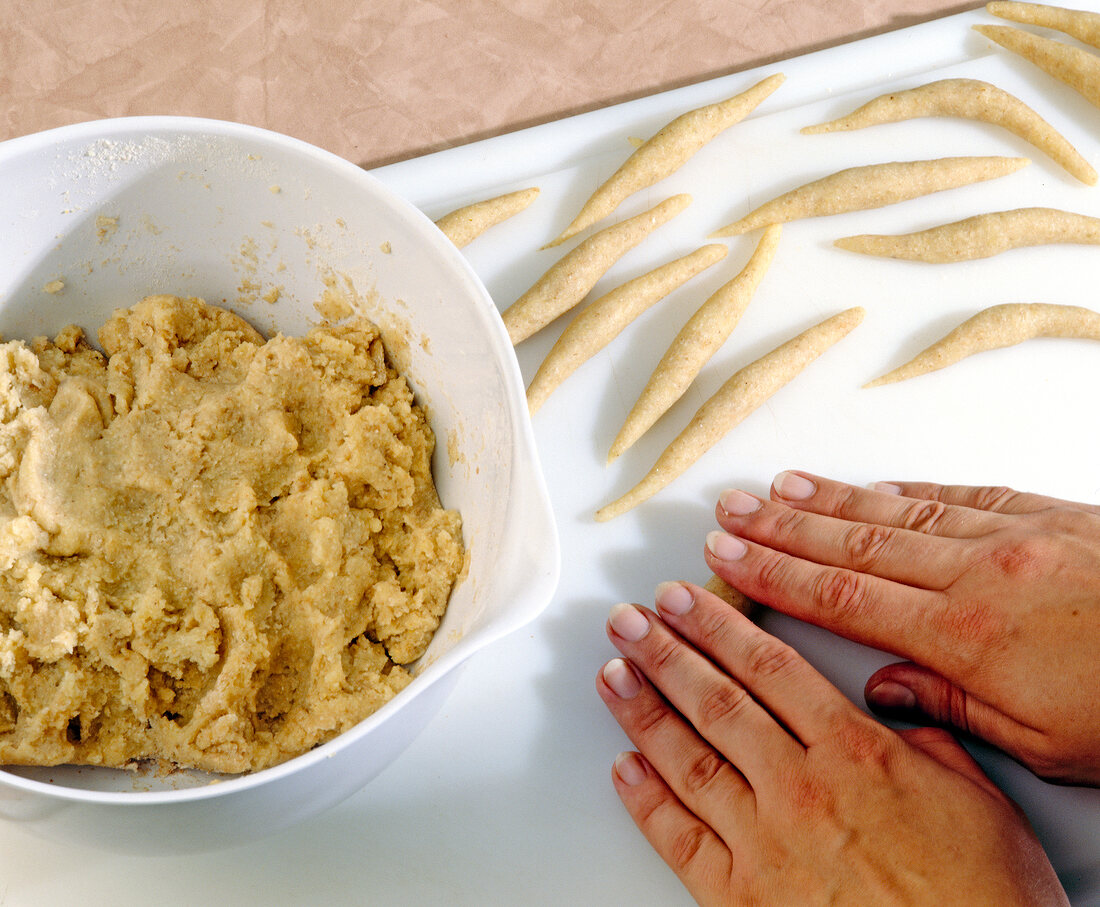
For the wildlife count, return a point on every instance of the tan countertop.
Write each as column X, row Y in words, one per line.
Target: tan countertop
column 381, row 81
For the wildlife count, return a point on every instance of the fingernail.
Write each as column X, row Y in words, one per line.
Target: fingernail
column 629, row 768
column 886, row 487
column 622, row 680
column 793, row 487
column 674, row 598
column 891, row 695
column 628, row 622
column 725, row 547
column 738, row 503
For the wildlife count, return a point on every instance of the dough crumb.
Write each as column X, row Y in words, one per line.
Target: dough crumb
column 216, row 552
column 105, row 227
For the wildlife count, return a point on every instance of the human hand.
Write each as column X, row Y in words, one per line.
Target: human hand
column 993, row 595
column 759, row 782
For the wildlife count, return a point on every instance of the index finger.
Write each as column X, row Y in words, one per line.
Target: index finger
column 780, row 679
column 884, row 506
column 991, row 498
column 723, row 712
column 868, row 609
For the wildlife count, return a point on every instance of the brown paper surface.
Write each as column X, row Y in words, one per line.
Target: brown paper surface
column 385, row 80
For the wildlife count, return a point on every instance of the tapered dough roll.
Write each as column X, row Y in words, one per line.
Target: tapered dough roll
column 1078, row 68
column 463, row 225
column 995, row 328
column 970, row 99
column 873, row 186
column 743, row 393
column 666, row 152
column 603, row 320
column 981, row 236
column 1077, row 23
column 569, row 279
column 698, row 340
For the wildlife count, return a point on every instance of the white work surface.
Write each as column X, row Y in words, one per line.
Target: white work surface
column 506, row 797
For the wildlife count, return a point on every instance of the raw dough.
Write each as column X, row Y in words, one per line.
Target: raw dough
column 215, row 552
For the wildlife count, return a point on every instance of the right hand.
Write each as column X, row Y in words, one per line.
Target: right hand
column 992, row 595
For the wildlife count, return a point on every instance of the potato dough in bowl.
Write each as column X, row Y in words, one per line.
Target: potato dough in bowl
column 215, row 552
column 100, row 215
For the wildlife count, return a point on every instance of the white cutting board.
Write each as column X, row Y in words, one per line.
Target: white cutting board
column 1025, row 416
column 506, row 797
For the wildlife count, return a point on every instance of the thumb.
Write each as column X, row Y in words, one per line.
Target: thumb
column 907, row 690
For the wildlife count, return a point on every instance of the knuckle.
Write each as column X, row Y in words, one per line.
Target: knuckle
column 770, row 658
column 702, row 772
column 1023, row 558
column 865, row 544
column 787, row 524
column 722, row 702
column 931, row 491
column 712, row 628
column 647, row 810
column 924, row 516
column 847, row 503
column 662, row 652
column 957, row 711
column 949, row 706
column 926, row 491
column 866, row 744
column 840, row 594
column 774, row 571
column 752, row 892
column 649, row 720
column 686, row 846
column 997, row 498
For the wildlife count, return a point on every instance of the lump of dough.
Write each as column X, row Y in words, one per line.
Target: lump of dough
column 215, row 551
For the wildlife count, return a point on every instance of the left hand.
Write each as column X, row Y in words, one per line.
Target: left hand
column 758, row 781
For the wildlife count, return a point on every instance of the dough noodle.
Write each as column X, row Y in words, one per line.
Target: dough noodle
column 215, row 552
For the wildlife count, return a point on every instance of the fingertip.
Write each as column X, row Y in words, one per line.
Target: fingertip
column 889, row 691
column 628, row 622
column 790, row 486
column 735, row 502
column 885, row 487
column 630, row 768
column 725, row 547
column 621, row 678
column 891, row 696
column 674, row 599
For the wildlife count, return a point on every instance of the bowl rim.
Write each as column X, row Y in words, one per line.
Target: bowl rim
column 539, row 585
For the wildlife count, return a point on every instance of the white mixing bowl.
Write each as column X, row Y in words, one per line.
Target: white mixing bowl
column 117, row 209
